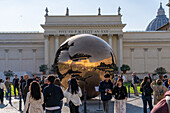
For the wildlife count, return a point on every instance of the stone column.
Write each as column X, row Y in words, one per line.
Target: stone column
column 6, row 60
column 46, row 50
column 67, row 36
column 145, row 59
column 132, row 59
column 20, row 59
column 115, row 46
column 56, row 43
column 34, row 60
column 159, row 56
column 120, row 51
column 110, row 40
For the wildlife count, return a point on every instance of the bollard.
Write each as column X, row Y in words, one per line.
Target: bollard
column 129, row 91
column 20, row 103
column 85, row 109
column 10, row 95
column 99, row 105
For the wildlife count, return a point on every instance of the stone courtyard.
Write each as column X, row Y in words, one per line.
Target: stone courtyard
column 134, row 105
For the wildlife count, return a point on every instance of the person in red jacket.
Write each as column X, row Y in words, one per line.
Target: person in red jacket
column 163, row 106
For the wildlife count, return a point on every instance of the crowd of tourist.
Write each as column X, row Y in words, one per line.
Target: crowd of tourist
column 47, row 95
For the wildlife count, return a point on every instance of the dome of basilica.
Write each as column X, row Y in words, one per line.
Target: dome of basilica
column 159, row 21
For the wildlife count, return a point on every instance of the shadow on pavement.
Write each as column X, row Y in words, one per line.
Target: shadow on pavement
column 3, row 106
column 133, row 109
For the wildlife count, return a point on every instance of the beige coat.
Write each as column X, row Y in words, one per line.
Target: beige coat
column 156, row 90
column 35, row 106
column 74, row 98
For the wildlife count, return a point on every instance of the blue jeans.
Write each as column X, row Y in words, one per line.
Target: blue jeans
column 16, row 87
column 145, row 100
column 53, row 111
column 7, row 92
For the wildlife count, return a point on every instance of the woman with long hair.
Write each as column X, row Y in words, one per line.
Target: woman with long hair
column 73, row 94
column 34, row 99
column 120, row 93
column 159, row 90
column 26, row 89
column 146, row 93
column 58, row 83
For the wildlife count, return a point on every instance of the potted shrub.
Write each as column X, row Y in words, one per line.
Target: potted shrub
column 43, row 68
column 125, row 68
column 53, row 68
column 115, row 68
column 160, row 71
column 9, row 73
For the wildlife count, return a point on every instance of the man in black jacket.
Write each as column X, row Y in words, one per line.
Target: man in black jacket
column 16, row 84
column 106, row 88
column 52, row 96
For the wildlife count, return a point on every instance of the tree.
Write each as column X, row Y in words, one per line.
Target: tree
column 53, row 68
column 43, row 68
column 115, row 68
column 125, row 68
column 160, row 71
column 9, row 73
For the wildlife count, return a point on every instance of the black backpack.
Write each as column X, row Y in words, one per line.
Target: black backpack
column 147, row 91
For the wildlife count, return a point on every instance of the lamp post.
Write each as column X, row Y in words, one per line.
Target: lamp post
column 20, row 103
column 10, row 95
column 85, row 104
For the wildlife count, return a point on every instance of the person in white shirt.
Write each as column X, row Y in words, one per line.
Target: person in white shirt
column 2, row 88
column 73, row 94
column 122, row 76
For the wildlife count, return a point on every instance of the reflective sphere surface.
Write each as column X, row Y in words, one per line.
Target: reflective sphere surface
column 88, row 57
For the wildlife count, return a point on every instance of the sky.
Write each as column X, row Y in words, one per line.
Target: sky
column 27, row 15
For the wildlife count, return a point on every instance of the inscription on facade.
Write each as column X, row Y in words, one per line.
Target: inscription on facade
column 83, row 31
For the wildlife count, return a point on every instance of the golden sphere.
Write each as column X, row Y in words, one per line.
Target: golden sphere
column 88, row 57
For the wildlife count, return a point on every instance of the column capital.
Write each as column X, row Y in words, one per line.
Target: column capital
column 56, row 35
column 159, row 49
column 6, row 50
column 67, row 36
column 99, row 35
column 110, row 35
column 46, row 36
column 120, row 36
column 20, row 50
column 34, row 50
column 145, row 49
column 132, row 49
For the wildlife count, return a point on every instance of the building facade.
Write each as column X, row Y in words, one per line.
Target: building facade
column 142, row 51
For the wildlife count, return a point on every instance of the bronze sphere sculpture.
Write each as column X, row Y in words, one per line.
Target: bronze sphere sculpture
column 86, row 56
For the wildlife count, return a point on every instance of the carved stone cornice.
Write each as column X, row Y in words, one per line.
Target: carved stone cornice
column 85, row 25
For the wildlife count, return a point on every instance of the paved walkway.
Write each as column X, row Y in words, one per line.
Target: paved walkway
column 134, row 105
